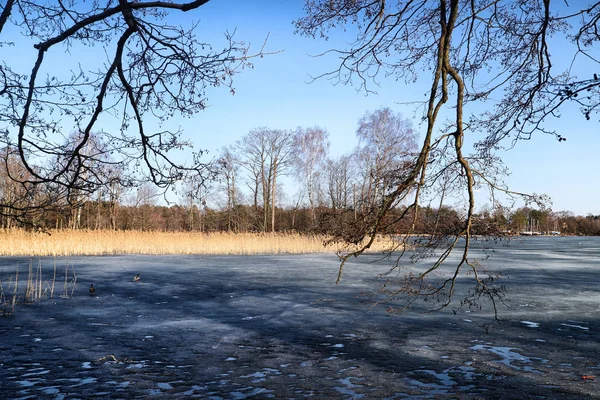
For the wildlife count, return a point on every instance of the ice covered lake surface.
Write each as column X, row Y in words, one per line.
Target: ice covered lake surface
column 221, row 327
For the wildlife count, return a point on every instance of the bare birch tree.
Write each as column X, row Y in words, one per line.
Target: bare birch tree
column 339, row 184
column 265, row 154
column 252, row 150
column 228, row 164
column 281, row 147
column 311, row 149
column 387, row 144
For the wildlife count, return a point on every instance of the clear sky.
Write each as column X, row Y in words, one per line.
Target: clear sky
column 277, row 94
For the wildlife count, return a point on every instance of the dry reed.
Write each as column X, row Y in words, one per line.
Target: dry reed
column 34, row 289
column 17, row 242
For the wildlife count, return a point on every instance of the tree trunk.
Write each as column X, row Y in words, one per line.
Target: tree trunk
column 273, row 197
column 98, row 210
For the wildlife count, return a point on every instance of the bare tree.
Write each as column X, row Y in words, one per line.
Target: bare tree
column 387, row 145
column 229, row 172
column 266, row 154
column 476, row 52
column 144, row 199
column 194, row 194
column 281, row 146
column 152, row 71
column 310, row 152
column 114, row 190
column 21, row 202
column 93, row 175
column 339, row 185
column 252, row 151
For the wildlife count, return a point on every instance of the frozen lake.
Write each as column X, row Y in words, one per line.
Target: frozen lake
column 222, row 327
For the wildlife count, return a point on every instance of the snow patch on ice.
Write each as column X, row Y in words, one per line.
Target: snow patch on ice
column 531, row 324
column 509, row 356
column 27, row 383
column 260, row 376
column 585, row 328
column 164, row 385
column 348, row 388
column 50, row 390
column 37, row 371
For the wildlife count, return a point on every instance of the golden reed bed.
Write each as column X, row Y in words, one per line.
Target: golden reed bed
column 105, row 242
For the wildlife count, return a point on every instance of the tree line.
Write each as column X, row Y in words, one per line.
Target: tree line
column 244, row 183
column 245, row 193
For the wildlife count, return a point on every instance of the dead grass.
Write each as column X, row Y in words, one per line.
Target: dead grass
column 36, row 287
column 68, row 243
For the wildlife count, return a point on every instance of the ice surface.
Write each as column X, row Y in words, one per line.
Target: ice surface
column 275, row 327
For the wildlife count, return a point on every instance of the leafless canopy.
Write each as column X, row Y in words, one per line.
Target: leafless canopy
column 124, row 61
column 490, row 55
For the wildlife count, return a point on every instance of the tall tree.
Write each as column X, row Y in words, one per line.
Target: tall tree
column 280, row 150
column 387, row 145
column 144, row 199
column 228, row 172
column 20, row 201
column 252, row 151
column 114, row 192
column 266, row 154
column 93, row 174
column 310, row 154
column 338, row 172
column 482, row 51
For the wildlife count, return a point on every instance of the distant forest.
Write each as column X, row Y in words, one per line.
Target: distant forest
column 245, row 218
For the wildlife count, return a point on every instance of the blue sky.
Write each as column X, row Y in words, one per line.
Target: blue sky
column 277, row 94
